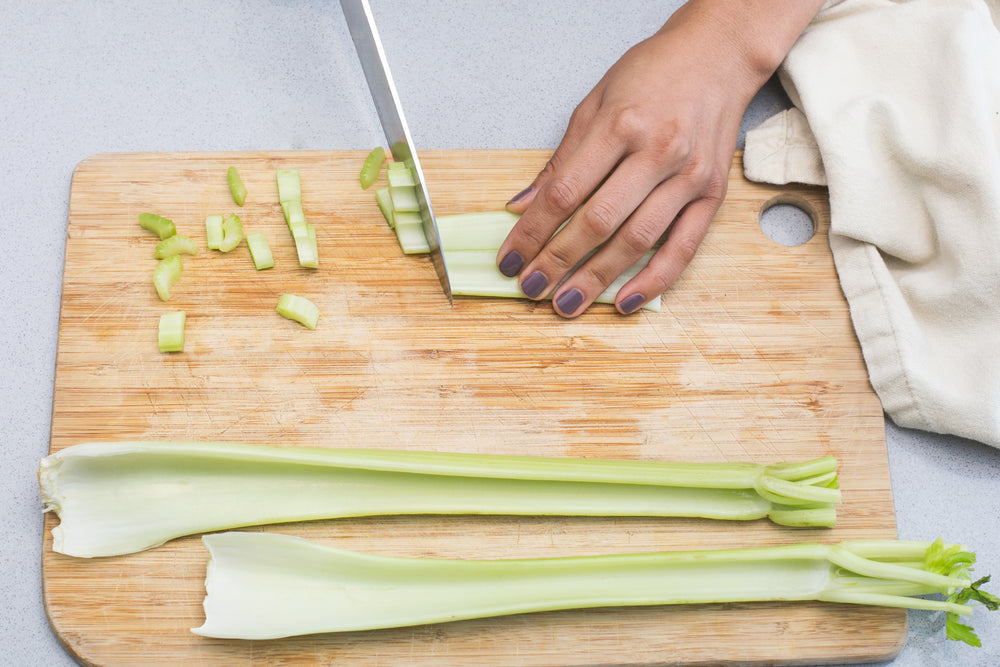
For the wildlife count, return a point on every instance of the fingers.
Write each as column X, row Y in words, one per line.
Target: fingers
column 631, row 243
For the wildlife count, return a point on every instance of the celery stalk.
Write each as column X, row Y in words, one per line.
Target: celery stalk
column 157, row 224
column 232, row 233
column 236, row 186
column 171, row 331
column 260, row 251
column 298, row 308
column 166, row 274
column 303, row 234
column 266, row 586
column 372, row 167
column 178, row 488
column 178, row 244
column 213, row 231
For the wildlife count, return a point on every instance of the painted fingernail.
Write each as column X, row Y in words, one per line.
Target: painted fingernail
column 632, row 303
column 511, row 264
column 534, row 285
column 569, row 301
column 521, row 195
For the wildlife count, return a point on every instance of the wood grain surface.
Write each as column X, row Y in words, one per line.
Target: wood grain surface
column 753, row 358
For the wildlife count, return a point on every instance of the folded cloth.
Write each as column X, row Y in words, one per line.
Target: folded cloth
column 897, row 111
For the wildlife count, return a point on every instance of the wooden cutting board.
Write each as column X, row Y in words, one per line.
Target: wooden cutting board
column 753, row 357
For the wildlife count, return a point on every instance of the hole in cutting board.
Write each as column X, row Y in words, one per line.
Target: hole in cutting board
column 786, row 222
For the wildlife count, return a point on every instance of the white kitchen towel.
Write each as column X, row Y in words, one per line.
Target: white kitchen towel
column 897, row 111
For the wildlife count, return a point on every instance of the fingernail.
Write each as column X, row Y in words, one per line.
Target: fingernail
column 632, row 303
column 511, row 264
column 569, row 301
column 534, row 285
column 520, row 195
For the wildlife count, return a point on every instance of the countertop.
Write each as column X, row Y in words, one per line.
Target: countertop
column 112, row 76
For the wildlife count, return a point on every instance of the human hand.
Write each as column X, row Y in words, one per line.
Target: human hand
column 645, row 157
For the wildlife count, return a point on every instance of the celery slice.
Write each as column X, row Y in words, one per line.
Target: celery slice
column 289, row 187
column 181, row 488
column 404, row 199
column 213, row 231
column 384, row 202
column 372, row 167
column 266, row 586
column 299, row 309
column 401, row 178
column 236, row 186
column 294, row 215
column 157, row 224
column 166, row 274
column 178, row 244
column 171, row 331
column 232, row 233
column 260, row 251
column 306, row 246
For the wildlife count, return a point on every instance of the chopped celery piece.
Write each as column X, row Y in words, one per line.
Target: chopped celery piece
column 306, row 246
column 266, row 586
column 404, row 199
column 182, row 488
column 396, row 165
column 236, row 186
column 178, row 244
column 385, row 205
column 157, row 224
column 166, row 274
column 372, row 167
column 232, row 233
column 410, row 235
column 171, row 333
column 213, row 231
column 401, row 178
column 299, row 309
column 260, row 251
column 294, row 215
column 289, row 187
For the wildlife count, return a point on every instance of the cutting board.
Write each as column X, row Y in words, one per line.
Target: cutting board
column 752, row 358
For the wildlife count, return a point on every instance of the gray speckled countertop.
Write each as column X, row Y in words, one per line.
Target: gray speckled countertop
column 78, row 78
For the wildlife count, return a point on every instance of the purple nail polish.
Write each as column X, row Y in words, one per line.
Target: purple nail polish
column 511, row 264
column 569, row 301
column 521, row 195
column 534, row 285
column 632, row 303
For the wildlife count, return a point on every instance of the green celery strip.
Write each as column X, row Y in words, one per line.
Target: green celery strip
column 299, row 309
column 260, row 251
column 236, row 186
column 266, row 586
column 171, row 331
column 232, row 233
column 213, row 231
column 166, row 274
column 385, row 205
column 372, row 167
column 289, row 186
column 157, row 224
column 182, row 488
column 178, row 244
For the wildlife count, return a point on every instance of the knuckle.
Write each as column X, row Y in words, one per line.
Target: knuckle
column 685, row 248
column 564, row 194
column 600, row 219
column 561, row 258
column 638, row 237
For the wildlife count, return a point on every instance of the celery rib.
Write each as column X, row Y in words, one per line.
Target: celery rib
column 260, row 251
column 180, row 488
column 299, row 309
column 171, row 331
column 372, row 167
column 157, row 224
column 267, row 586
column 166, row 274
column 236, row 186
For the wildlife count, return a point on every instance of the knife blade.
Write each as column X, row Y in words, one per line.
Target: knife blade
column 368, row 44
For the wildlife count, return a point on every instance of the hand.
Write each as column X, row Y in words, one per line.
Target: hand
column 646, row 156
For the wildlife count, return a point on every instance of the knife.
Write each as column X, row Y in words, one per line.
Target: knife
column 367, row 43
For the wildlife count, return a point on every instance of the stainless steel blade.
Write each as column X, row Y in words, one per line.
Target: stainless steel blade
column 368, row 44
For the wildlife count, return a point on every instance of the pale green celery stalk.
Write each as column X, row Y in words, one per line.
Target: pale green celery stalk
column 299, row 309
column 213, row 231
column 157, row 224
column 180, row 488
column 178, row 244
column 166, row 274
column 303, row 234
column 372, row 167
column 266, row 586
column 171, row 331
column 236, row 186
column 385, row 205
column 232, row 233
column 260, row 251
